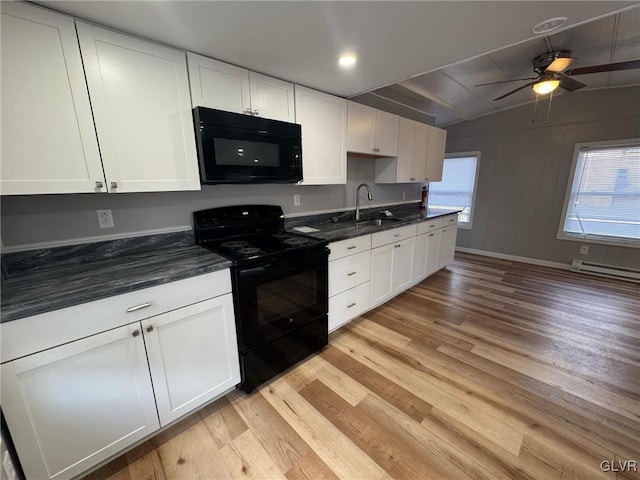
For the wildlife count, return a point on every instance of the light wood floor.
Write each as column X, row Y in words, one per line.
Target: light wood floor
column 487, row 370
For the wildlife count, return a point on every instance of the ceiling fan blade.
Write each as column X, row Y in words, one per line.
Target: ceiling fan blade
column 506, row 81
column 607, row 67
column 570, row 85
column 514, row 91
column 560, row 64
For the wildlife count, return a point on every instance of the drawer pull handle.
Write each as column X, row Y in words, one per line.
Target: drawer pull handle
column 136, row 333
column 431, row 234
column 350, row 273
column 150, row 328
column 452, row 220
column 351, row 305
column 351, row 247
column 138, row 307
column 397, row 235
column 432, row 225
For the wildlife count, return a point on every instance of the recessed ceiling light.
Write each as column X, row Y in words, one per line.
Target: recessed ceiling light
column 347, row 61
column 549, row 25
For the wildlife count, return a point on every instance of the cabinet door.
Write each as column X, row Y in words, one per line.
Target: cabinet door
column 435, row 154
column 447, row 245
column 348, row 305
column 272, row 98
column 433, row 251
column 361, row 129
column 324, row 136
column 403, row 260
column 72, row 406
column 420, row 142
column 381, row 279
column 404, row 163
column 348, row 272
column 218, row 85
column 193, row 355
column 386, row 138
column 420, row 264
column 49, row 144
column 140, row 97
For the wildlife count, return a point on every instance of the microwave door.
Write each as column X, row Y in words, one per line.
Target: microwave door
column 232, row 155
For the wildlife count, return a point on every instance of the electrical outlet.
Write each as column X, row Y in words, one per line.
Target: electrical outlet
column 584, row 249
column 105, row 218
column 404, row 195
column 296, row 199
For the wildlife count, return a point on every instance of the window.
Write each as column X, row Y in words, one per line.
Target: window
column 458, row 185
column 602, row 203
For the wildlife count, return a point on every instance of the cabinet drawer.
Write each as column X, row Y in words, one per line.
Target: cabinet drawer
column 389, row 236
column 349, row 247
column 32, row 334
column 348, row 305
column 348, row 272
column 429, row 225
column 450, row 220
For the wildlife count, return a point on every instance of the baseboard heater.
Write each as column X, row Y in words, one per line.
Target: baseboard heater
column 606, row 270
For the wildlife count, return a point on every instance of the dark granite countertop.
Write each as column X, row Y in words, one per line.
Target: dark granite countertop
column 345, row 227
column 40, row 281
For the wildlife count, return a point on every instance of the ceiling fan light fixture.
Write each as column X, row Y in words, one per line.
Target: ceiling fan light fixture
column 549, row 25
column 546, row 86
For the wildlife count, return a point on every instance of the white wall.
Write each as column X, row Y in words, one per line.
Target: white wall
column 524, row 169
column 35, row 220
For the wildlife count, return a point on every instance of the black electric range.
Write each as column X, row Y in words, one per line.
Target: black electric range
column 280, row 286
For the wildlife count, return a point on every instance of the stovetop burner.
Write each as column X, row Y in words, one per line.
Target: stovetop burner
column 297, row 240
column 234, row 244
column 249, row 251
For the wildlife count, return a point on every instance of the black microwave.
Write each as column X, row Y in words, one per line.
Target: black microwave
column 237, row 148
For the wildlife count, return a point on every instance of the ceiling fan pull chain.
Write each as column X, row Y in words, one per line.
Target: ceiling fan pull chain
column 535, row 109
column 546, row 122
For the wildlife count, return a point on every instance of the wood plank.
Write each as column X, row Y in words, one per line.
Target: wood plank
column 335, row 449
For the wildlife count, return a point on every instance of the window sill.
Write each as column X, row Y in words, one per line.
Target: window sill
column 619, row 242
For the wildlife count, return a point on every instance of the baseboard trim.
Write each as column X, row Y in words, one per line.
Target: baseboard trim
column 515, row 258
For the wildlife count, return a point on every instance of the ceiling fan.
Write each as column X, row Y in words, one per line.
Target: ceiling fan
column 551, row 68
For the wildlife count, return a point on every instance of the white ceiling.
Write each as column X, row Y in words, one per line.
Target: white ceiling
column 301, row 41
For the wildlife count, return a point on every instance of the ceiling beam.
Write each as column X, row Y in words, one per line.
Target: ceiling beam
column 426, row 94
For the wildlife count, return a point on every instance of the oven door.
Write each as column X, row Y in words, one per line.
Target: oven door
column 278, row 297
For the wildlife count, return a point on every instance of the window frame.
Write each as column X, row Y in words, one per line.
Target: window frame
column 476, row 153
column 602, row 240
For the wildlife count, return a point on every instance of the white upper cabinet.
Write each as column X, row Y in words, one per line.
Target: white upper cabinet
column 272, row 98
column 372, row 131
column 420, row 155
column 324, row 136
column 435, row 154
column 411, row 163
column 222, row 86
column 140, row 97
column 49, row 143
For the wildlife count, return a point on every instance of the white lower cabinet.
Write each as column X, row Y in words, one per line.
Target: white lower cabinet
column 392, row 263
column 192, row 355
column 74, row 405
column 70, row 407
column 349, row 268
column 447, row 245
column 348, row 305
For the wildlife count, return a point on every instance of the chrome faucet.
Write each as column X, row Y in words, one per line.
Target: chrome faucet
column 358, row 198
